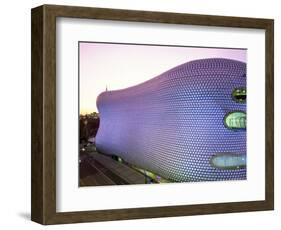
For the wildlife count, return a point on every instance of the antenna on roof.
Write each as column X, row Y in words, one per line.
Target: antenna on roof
column 106, row 88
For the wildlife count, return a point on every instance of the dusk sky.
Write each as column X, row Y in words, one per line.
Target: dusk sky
column 118, row 66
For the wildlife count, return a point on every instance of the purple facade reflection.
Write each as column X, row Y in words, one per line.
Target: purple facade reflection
column 173, row 124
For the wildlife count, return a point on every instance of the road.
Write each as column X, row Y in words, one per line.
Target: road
column 97, row 169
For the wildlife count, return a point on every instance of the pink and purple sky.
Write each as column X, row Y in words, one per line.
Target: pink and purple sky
column 118, row 66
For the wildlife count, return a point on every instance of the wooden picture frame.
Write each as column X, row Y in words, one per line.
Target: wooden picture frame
column 43, row 207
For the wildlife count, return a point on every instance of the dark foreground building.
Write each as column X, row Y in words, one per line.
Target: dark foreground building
column 187, row 124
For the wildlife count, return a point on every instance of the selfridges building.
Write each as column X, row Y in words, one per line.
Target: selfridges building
column 187, row 124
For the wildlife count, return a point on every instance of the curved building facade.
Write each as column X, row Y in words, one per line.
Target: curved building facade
column 187, row 124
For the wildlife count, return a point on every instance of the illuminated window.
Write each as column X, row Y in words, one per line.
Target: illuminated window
column 228, row 161
column 239, row 95
column 235, row 120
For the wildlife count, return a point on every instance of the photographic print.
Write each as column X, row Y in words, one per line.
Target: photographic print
column 161, row 114
column 151, row 105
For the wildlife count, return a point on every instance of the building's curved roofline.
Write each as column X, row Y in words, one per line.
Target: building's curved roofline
column 190, row 66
